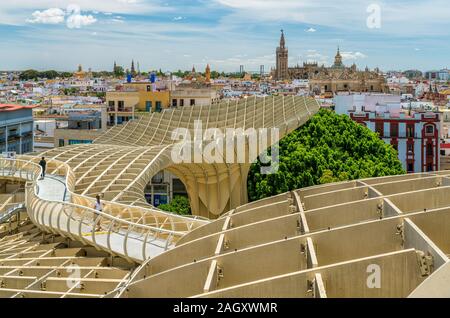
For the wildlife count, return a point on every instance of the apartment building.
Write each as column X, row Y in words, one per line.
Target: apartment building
column 16, row 128
column 415, row 134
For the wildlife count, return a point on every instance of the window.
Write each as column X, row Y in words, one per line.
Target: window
column 148, row 106
column 174, row 102
column 61, row 142
column 158, row 107
column 26, row 147
column 192, row 102
column 395, row 146
column 429, row 130
column 121, row 105
column 394, row 130
column 430, row 149
column 429, row 167
column 410, row 167
column 149, row 88
column 77, row 142
column 410, row 148
column 410, row 131
column 178, row 187
column 379, row 128
column 181, row 102
column 158, row 178
column 111, row 103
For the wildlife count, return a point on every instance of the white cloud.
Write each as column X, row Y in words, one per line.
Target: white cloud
column 49, row 16
column 346, row 56
column 114, row 6
column 312, row 30
column 267, row 10
column 117, row 21
column 177, row 18
column 314, row 56
column 76, row 20
column 237, row 60
column 429, row 16
column 16, row 12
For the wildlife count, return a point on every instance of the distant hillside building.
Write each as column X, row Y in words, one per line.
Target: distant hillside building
column 442, row 75
column 413, row 74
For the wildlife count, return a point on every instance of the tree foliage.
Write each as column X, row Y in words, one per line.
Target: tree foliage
column 328, row 148
column 179, row 205
column 34, row 75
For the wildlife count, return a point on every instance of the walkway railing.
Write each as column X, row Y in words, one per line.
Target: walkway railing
column 134, row 233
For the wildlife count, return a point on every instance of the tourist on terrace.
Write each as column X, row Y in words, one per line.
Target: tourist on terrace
column 43, row 165
column 98, row 207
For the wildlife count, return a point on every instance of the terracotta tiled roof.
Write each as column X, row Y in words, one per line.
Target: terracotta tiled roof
column 11, row 107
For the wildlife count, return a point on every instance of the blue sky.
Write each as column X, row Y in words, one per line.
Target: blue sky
column 171, row 35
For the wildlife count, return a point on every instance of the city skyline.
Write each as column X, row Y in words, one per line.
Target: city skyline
column 172, row 35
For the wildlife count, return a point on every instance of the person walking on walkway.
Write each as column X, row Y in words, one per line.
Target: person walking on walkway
column 98, row 207
column 43, row 165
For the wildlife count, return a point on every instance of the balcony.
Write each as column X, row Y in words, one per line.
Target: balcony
column 401, row 136
column 125, row 110
column 121, row 110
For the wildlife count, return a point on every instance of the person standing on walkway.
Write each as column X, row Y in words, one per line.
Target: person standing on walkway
column 98, row 207
column 43, row 165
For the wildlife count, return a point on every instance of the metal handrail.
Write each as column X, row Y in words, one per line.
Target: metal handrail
column 153, row 211
column 48, row 215
column 11, row 212
column 185, row 218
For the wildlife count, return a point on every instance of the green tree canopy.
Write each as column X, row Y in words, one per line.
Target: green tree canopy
column 328, row 148
column 119, row 71
column 29, row 75
column 179, row 205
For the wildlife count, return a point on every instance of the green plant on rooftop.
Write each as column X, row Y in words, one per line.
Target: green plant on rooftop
column 328, row 148
column 179, row 205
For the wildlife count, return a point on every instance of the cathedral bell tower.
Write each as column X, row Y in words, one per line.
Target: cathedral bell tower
column 282, row 60
column 338, row 60
column 208, row 74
